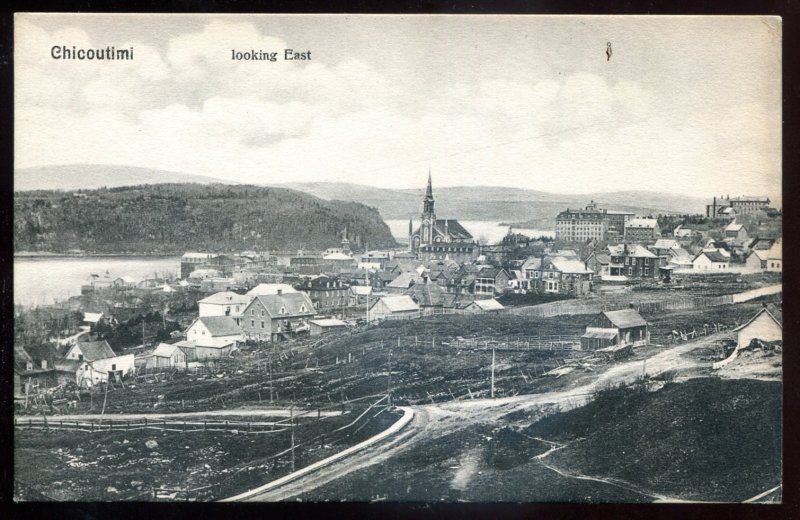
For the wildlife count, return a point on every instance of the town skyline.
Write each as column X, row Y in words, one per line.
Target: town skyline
column 684, row 105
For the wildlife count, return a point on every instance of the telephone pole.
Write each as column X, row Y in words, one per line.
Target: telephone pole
column 389, row 383
column 492, row 373
column 291, row 423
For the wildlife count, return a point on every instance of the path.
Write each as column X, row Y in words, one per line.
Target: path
column 435, row 421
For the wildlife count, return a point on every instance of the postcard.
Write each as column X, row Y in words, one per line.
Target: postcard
column 397, row 258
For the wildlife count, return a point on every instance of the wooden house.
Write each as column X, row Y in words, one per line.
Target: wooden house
column 624, row 327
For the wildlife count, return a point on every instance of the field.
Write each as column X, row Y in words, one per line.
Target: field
column 196, row 465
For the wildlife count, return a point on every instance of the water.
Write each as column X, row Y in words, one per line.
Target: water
column 484, row 230
column 42, row 280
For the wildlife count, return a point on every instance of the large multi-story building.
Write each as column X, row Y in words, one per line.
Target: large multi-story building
column 439, row 239
column 580, row 225
column 642, row 230
column 743, row 205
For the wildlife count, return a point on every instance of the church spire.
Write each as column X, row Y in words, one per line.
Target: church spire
column 429, row 193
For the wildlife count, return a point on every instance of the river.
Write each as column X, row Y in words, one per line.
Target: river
column 490, row 232
column 41, row 280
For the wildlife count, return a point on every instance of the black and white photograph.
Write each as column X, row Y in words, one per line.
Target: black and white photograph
column 397, row 258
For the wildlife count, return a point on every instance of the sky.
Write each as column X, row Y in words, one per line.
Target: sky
column 688, row 105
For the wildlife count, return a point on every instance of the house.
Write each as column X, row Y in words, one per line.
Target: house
column 562, row 275
column 710, row 261
column 530, row 266
column 735, row 233
column 167, row 356
column 642, row 229
column 775, row 258
column 224, row 303
column 124, row 282
column 403, row 282
column 760, row 244
column 191, row 261
column 92, row 318
column 482, row 306
column 682, row 232
column 34, row 367
column 393, row 307
column 619, row 328
column 757, row 259
column 326, row 326
column 429, row 295
column 491, row 281
column 359, row 294
column 338, row 261
column 271, row 316
column 212, row 337
column 766, row 325
column 327, row 293
column 306, row 264
column 633, row 261
column 96, row 361
column 598, row 263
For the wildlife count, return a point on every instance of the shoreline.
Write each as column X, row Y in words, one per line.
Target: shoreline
column 47, row 254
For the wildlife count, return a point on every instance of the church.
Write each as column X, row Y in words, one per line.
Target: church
column 440, row 239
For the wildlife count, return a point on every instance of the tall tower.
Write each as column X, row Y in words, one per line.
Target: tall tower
column 428, row 215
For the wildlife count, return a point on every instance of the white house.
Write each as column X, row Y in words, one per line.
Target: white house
column 710, row 261
column 757, row 259
column 212, row 337
column 775, row 258
column 97, row 361
column 226, row 303
column 393, row 307
column 682, row 232
column 765, row 325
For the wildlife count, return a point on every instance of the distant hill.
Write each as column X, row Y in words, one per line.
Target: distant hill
column 172, row 218
column 89, row 176
column 512, row 205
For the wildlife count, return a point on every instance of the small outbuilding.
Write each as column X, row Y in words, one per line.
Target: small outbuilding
column 326, row 326
column 616, row 328
column 394, row 307
column 481, row 306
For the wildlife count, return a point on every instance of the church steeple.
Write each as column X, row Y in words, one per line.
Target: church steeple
column 428, row 202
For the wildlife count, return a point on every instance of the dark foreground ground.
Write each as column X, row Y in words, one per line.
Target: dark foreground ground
column 705, row 439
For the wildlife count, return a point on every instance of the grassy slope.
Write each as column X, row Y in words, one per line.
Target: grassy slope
column 705, row 439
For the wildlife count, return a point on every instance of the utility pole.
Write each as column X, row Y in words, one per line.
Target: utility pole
column 492, row 373
column 291, row 423
column 270, row 380
column 389, row 383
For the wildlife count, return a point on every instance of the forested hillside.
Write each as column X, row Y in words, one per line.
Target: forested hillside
column 172, row 218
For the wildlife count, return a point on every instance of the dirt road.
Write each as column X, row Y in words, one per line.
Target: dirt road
column 433, row 422
column 234, row 412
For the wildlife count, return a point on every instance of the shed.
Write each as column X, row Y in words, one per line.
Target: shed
column 326, row 326
column 393, row 307
column 619, row 327
column 480, row 306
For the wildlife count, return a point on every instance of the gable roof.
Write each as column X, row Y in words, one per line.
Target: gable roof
column 293, row 303
column 489, row 305
column 635, row 250
column 165, row 350
column 226, row 297
column 734, row 227
column 569, row 265
column 94, row 350
column 761, row 311
column 714, row 256
column 399, row 303
column 625, row 318
column 427, row 294
column 405, row 280
column 454, row 229
column 666, row 243
column 220, row 325
column 264, row 289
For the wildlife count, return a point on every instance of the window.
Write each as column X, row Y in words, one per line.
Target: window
column 80, row 357
column 252, row 312
column 262, row 324
column 253, row 323
column 630, row 271
column 113, row 366
column 646, row 271
column 263, row 313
